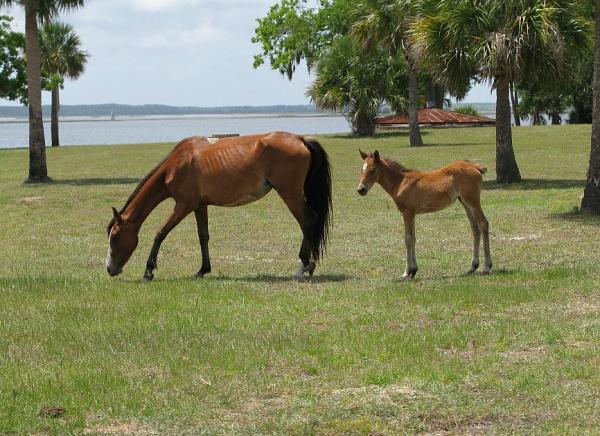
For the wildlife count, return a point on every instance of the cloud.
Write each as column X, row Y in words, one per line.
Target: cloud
column 157, row 5
column 205, row 32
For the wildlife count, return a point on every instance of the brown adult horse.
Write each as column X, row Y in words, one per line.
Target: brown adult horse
column 230, row 172
column 417, row 192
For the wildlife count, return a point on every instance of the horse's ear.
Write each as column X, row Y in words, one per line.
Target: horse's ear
column 117, row 216
column 376, row 156
column 363, row 155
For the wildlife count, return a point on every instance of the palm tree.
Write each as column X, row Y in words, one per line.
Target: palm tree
column 501, row 41
column 61, row 57
column 591, row 194
column 357, row 84
column 387, row 23
column 37, row 10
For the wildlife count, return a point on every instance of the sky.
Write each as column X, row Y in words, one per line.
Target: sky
column 180, row 53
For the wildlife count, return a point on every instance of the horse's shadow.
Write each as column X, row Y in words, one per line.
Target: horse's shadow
column 261, row 278
column 502, row 272
column 96, row 181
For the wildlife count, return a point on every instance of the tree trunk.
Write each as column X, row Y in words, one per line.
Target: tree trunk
column 591, row 194
column 514, row 97
column 413, row 105
column 55, row 111
column 362, row 124
column 440, row 93
column 507, row 170
column 38, row 171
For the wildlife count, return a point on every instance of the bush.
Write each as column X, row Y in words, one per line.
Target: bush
column 467, row 110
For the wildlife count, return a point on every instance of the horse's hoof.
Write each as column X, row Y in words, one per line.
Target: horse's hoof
column 486, row 272
column 148, row 277
column 311, row 268
column 299, row 274
column 200, row 274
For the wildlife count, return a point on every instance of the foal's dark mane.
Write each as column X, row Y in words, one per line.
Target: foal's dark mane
column 136, row 191
column 395, row 165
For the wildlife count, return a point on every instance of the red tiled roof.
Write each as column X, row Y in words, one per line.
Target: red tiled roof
column 436, row 117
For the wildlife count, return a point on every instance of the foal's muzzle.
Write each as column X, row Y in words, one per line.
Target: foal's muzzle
column 362, row 189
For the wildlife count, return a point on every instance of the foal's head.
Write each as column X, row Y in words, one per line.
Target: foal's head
column 370, row 171
column 122, row 242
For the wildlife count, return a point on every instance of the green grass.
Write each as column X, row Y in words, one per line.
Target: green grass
column 356, row 349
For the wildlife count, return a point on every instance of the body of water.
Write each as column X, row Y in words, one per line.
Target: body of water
column 139, row 130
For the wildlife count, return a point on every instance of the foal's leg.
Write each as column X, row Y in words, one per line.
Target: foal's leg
column 306, row 219
column 202, row 224
column 410, row 242
column 476, row 239
column 179, row 213
column 484, row 226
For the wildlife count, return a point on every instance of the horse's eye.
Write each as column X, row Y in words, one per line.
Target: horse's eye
column 372, row 171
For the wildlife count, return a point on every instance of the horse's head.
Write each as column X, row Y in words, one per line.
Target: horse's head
column 370, row 171
column 122, row 242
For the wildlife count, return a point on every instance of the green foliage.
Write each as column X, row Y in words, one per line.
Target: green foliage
column 510, row 38
column 467, row 109
column 355, row 83
column 292, row 32
column 13, row 77
column 60, row 50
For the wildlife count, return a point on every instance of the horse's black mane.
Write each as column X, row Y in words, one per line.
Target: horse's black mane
column 135, row 192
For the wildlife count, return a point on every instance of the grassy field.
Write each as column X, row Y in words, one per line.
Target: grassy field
column 354, row 350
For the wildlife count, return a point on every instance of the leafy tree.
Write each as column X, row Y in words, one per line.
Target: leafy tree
column 591, row 194
column 13, row 79
column 538, row 99
column 501, row 42
column 62, row 57
column 292, row 32
column 387, row 23
column 37, row 10
column 357, row 84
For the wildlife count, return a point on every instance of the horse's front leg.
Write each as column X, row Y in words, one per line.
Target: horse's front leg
column 410, row 242
column 202, row 224
column 179, row 213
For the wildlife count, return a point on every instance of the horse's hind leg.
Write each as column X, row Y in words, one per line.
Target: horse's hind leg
column 476, row 239
column 202, row 224
column 179, row 213
column 306, row 220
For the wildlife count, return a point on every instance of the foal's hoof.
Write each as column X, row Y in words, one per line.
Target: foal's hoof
column 410, row 274
column 486, row 272
column 148, row 276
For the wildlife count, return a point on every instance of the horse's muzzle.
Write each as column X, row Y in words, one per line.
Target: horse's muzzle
column 362, row 190
column 114, row 272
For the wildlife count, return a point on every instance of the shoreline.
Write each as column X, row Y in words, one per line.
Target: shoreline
column 103, row 118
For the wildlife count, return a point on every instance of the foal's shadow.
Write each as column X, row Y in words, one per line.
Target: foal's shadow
column 501, row 272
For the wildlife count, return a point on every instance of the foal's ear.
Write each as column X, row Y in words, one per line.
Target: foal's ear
column 117, row 216
column 363, row 155
column 376, row 156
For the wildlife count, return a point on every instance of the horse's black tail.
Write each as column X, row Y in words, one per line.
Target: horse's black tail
column 317, row 193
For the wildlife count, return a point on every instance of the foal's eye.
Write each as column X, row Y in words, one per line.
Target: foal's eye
column 372, row 171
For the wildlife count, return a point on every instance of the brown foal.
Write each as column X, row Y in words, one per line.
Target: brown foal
column 230, row 172
column 416, row 192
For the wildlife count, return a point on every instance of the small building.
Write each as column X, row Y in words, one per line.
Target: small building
column 435, row 118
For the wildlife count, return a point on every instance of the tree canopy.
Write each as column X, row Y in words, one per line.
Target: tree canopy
column 13, row 78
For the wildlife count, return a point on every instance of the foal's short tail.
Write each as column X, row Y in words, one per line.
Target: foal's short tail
column 481, row 168
column 317, row 193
